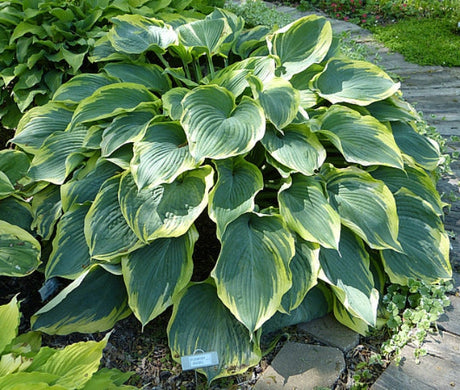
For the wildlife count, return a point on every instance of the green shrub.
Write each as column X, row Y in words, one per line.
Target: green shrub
column 399, row 9
column 308, row 164
column 25, row 364
column 257, row 13
column 45, row 42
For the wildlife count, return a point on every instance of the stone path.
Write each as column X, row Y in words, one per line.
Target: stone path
column 434, row 91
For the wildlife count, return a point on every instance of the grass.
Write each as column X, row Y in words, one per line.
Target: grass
column 422, row 41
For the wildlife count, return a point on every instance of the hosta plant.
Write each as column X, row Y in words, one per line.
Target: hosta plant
column 307, row 163
column 25, row 364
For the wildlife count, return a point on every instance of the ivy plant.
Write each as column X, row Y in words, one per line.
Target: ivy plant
column 308, row 164
column 26, row 364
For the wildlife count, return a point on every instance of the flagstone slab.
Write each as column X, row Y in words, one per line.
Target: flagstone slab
column 450, row 320
column 329, row 331
column 302, row 367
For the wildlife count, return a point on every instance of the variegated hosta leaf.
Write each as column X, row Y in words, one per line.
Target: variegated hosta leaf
column 126, row 128
column 17, row 212
column 39, row 123
column 80, row 87
column 361, row 139
column 420, row 149
column 161, row 156
column 59, row 155
column 208, row 34
column 424, row 242
column 14, row 164
column 167, row 210
column 216, row 127
column 252, row 272
column 135, row 34
column 249, row 40
column 393, row 109
column 415, row 180
column 46, row 210
column 275, row 91
column 106, row 231
column 201, row 321
column 301, row 44
column 352, row 81
column 86, row 183
column 93, row 302
column 347, row 271
column 235, row 23
column 172, row 105
column 304, row 269
column 149, row 75
column 296, row 148
column 70, row 255
column 19, row 251
column 234, row 77
column 346, row 318
column 314, row 305
column 6, row 187
column 9, row 322
column 106, row 103
column 237, row 185
column 154, row 274
column 306, row 210
column 365, row 205
column 301, row 82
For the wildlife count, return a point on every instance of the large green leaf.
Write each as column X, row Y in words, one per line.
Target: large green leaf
column 216, row 128
column 415, row 180
column 304, row 269
column 365, row 205
column 125, row 128
column 423, row 239
column 86, row 183
column 14, row 164
column 393, row 109
column 59, row 155
column 361, row 139
column 352, row 81
column 135, row 34
column 314, row 305
column 275, row 91
column 172, row 105
column 252, row 272
column 296, row 148
column 46, row 210
column 70, row 255
column 161, row 156
column 29, row 380
column 9, row 322
column 19, row 251
column 419, row 148
column 201, row 322
column 167, row 210
column 106, row 231
column 17, row 212
column 80, row 87
column 301, row 82
column 106, row 103
column 301, row 44
column 6, row 187
column 93, row 302
column 154, row 274
column 347, row 271
column 39, row 123
column 149, row 75
column 208, row 34
column 233, row 195
column 76, row 363
column 306, row 210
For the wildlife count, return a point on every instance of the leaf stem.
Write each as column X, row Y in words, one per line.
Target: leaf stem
column 210, row 64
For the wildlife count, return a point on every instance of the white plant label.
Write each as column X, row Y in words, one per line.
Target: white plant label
column 199, row 360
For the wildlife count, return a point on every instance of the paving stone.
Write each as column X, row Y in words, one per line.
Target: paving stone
column 331, row 332
column 302, row 367
column 450, row 320
column 438, row 370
